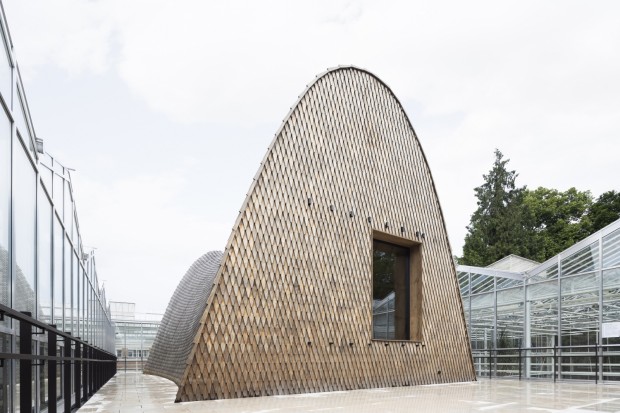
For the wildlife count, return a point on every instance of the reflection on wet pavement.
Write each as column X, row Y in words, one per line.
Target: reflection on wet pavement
column 135, row 392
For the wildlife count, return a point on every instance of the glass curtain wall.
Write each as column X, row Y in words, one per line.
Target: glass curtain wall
column 134, row 340
column 561, row 306
column 44, row 268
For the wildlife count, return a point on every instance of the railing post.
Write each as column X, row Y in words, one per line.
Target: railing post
column 490, row 364
column 596, row 363
column 77, row 373
column 67, row 374
column 85, row 373
column 51, row 371
column 25, row 365
column 555, row 358
column 519, row 363
column 97, row 368
column 89, row 372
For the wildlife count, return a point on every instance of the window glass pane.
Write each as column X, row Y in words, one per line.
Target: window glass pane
column 68, row 219
column 580, row 325
column 390, row 291
column 542, row 307
column 611, row 314
column 547, row 274
column 75, row 301
column 580, row 307
column 24, row 215
column 542, row 302
column 58, row 274
column 44, row 280
column 510, row 320
column 481, row 283
column 5, row 202
column 482, row 321
column 507, row 283
column 611, row 249
column 47, row 176
column 464, row 283
column 58, row 195
column 20, row 120
column 83, row 303
column 584, row 260
column 6, row 72
column 68, row 286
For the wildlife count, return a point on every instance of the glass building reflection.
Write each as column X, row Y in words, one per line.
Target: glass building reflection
column 44, row 268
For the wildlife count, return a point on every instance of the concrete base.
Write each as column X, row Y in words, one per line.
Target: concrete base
column 135, row 392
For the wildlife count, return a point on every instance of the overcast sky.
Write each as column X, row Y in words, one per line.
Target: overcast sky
column 166, row 108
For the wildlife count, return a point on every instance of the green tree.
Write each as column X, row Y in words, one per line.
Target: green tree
column 604, row 211
column 555, row 220
column 496, row 227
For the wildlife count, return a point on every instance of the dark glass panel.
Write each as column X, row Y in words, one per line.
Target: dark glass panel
column 24, row 231
column 44, row 271
column 58, row 274
column 5, row 202
column 390, row 291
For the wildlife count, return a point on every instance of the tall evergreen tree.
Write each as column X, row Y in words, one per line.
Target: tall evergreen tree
column 496, row 227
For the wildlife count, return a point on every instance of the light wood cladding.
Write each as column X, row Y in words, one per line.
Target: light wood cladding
column 291, row 306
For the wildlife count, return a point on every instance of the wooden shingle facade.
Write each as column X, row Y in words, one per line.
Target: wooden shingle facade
column 291, row 308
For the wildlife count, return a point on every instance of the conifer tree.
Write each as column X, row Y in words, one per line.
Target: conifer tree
column 496, row 227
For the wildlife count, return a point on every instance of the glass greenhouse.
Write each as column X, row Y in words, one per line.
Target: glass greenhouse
column 559, row 319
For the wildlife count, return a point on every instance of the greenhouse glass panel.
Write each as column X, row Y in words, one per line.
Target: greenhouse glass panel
column 464, row 283
column 503, row 283
column 481, row 283
column 584, row 260
column 5, row 217
column 542, row 307
column 611, row 314
column 542, row 304
column 44, row 277
column 24, row 230
column 58, row 275
column 510, row 314
column 611, row 249
column 580, row 325
column 549, row 273
column 482, row 321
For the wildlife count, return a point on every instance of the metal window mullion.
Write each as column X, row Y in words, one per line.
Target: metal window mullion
column 559, row 332
column 599, row 334
column 494, row 331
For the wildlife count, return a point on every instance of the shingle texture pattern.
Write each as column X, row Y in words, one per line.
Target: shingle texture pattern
column 291, row 306
column 178, row 327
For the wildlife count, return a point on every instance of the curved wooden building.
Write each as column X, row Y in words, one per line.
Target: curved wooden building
column 180, row 323
column 338, row 274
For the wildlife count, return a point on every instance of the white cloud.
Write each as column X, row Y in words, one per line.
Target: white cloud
column 537, row 80
column 144, row 235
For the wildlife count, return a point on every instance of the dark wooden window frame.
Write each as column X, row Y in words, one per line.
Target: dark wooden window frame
column 415, row 283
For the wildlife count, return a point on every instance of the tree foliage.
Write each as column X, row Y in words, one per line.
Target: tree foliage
column 604, row 211
column 555, row 220
column 496, row 227
column 535, row 224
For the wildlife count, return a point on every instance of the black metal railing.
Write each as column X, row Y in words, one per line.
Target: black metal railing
column 583, row 362
column 92, row 366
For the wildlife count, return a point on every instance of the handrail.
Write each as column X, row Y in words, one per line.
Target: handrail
column 596, row 352
column 91, row 366
column 18, row 315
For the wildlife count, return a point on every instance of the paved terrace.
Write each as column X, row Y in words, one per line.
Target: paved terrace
column 135, row 392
